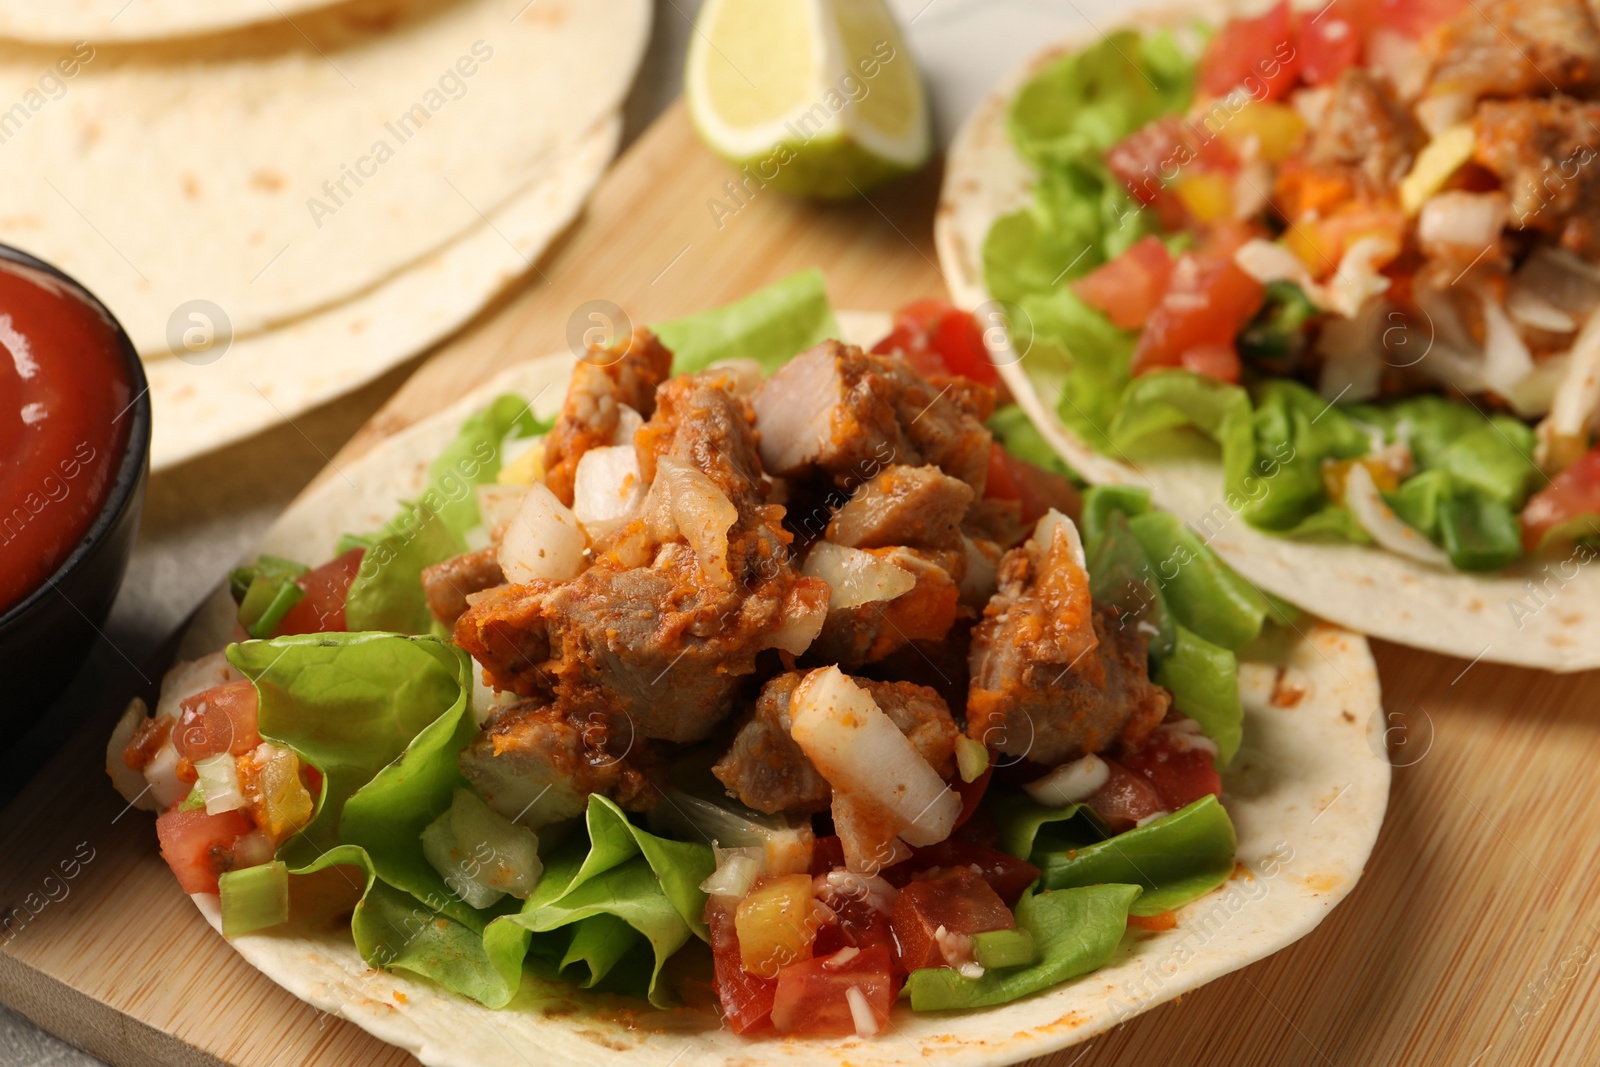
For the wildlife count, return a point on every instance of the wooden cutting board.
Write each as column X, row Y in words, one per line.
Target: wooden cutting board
column 1471, row 940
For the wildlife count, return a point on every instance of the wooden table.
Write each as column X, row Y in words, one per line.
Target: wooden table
column 1471, row 940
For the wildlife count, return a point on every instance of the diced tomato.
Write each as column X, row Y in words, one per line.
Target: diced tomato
column 1124, row 799
column 1572, row 494
column 1214, row 360
column 1034, row 488
column 1153, row 157
column 857, row 924
column 827, row 854
column 1181, row 774
column 221, row 719
column 196, row 845
column 1329, row 40
column 321, row 610
column 1208, row 303
column 957, row 900
column 746, row 998
column 1257, row 54
column 1007, row 875
column 811, row 996
column 1129, row 287
column 937, row 338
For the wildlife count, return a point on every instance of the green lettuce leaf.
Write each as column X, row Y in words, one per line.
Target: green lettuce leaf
column 1076, row 930
column 382, row 717
column 1205, row 594
column 1120, row 575
column 387, row 591
column 1017, row 434
column 1204, row 680
column 768, row 326
column 619, row 873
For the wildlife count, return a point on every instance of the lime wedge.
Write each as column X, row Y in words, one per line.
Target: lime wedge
column 814, row 97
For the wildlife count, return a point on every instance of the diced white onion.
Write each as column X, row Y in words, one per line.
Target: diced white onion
column 628, row 423
column 1379, row 520
column 1397, row 56
column 840, row 958
column 1186, row 735
column 683, row 501
column 607, row 488
column 803, row 618
column 1070, row 783
column 736, row 873
column 1528, row 308
column 1358, row 278
column 129, row 782
column 166, row 789
column 1461, row 225
column 836, row 887
column 543, row 541
column 1438, row 113
column 1564, row 433
column 219, row 782
column 785, row 848
column 1052, row 524
column 1506, row 359
column 253, row 849
column 861, row 1012
column 1267, row 261
column 862, row 754
column 855, row 576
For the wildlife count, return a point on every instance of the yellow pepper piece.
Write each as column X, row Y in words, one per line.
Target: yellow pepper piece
column 1438, row 160
column 526, row 469
column 775, row 925
column 1208, row 196
column 1276, row 128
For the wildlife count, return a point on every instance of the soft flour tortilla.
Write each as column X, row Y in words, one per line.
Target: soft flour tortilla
column 135, row 20
column 289, row 167
column 202, row 403
column 1543, row 613
column 1313, row 736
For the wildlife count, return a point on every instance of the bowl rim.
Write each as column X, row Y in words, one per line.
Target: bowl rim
column 130, row 471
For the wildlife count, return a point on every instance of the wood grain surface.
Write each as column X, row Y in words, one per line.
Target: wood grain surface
column 1471, row 940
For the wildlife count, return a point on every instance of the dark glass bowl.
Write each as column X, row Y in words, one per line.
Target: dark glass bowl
column 45, row 636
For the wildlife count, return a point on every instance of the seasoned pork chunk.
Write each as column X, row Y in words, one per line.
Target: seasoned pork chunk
column 1544, row 152
column 447, row 585
column 848, row 414
column 766, row 770
column 538, row 763
column 1054, row 678
column 1366, row 132
column 885, row 599
column 604, row 381
column 1507, row 48
column 667, row 627
column 901, row 505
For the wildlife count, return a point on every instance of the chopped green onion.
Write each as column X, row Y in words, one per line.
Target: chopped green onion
column 195, row 801
column 272, row 567
column 972, row 758
column 265, row 604
column 1278, row 332
column 1004, row 948
column 347, row 542
column 254, row 898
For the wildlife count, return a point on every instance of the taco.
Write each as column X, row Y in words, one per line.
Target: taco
column 737, row 683
column 1324, row 282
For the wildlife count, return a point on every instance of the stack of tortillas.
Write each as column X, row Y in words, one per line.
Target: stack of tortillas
column 280, row 199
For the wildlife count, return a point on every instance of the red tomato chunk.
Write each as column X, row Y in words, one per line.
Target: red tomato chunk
column 1130, row 287
column 746, row 998
column 957, row 901
column 321, row 610
column 198, row 846
column 1180, row 775
column 1124, row 799
column 813, row 996
column 1255, row 54
column 218, row 720
column 1007, row 875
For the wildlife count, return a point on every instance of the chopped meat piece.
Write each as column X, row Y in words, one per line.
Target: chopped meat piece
column 919, row 506
column 646, row 622
column 1510, row 48
column 767, row 771
column 1053, row 678
column 999, row 521
column 447, row 585
column 603, row 381
column 862, row 632
column 849, row 414
column 538, row 763
column 1544, row 152
column 1366, row 132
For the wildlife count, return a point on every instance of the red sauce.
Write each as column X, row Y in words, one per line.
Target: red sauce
column 65, row 413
